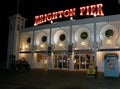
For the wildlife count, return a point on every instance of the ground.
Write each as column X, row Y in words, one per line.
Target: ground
column 55, row 79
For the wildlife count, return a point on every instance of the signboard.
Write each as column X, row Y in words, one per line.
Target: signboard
column 90, row 10
column 111, row 68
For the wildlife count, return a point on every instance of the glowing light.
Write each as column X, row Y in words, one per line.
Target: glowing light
column 24, row 47
column 51, row 21
column 22, row 55
column 74, row 61
column 83, row 43
column 95, row 15
column 42, row 46
column 71, row 18
column 92, row 10
column 55, row 15
column 60, row 44
column 45, row 61
column 109, row 42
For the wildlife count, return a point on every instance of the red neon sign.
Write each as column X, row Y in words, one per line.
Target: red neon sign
column 86, row 10
column 92, row 10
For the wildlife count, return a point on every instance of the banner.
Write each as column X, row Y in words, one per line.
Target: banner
column 111, row 65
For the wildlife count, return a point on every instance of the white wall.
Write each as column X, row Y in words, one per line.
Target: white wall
column 100, row 61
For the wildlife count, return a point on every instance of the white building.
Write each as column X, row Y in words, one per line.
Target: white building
column 69, row 45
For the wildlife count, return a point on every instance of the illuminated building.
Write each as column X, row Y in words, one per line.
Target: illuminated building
column 69, row 45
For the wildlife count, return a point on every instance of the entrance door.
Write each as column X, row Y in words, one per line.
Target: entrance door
column 61, row 61
column 81, row 61
column 41, row 60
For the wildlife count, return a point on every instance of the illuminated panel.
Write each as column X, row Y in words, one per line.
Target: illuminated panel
column 55, row 15
column 92, row 10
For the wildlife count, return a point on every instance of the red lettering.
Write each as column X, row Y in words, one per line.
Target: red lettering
column 38, row 19
column 82, row 9
column 87, row 9
column 93, row 8
column 60, row 14
column 49, row 17
column 99, row 10
column 66, row 13
column 54, row 15
column 72, row 12
column 41, row 18
column 45, row 17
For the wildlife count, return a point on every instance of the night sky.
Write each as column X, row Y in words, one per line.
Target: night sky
column 31, row 8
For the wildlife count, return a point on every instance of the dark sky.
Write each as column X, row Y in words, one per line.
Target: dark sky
column 30, row 8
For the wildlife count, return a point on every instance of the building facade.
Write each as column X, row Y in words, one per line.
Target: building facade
column 70, row 45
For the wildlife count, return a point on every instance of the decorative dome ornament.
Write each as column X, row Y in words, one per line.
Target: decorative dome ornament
column 84, row 35
column 25, row 41
column 62, row 37
column 41, row 37
column 25, row 38
column 109, row 33
column 59, row 36
column 44, row 38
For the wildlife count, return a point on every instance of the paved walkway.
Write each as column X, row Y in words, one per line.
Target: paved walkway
column 55, row 79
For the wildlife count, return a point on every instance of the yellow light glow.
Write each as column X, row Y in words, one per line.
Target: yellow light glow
column 42, row 46
column 22, row 55
column 83, row 43
column 109, row 42
column 24, row 47
column 45, row 61
column 74, row 61
column 60, row 44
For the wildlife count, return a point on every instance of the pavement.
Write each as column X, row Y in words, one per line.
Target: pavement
column 55, row 79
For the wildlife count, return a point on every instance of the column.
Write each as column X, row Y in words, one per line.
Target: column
column 49, row 54
column 71, row 53
column 95, row 40
column 32, row 52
